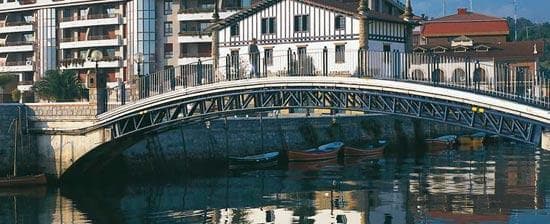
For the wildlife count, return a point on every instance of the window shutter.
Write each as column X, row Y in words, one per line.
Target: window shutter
column 264, row 23
column 305, row 23
column 296, row 23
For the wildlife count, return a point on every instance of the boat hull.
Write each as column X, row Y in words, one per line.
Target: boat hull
column 434, row 144
column 24, row 181
column 254, row 162
column 469, row 140
column 303, row 156
column 357, row 152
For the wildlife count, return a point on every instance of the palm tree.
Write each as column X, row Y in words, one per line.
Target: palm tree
column 59, row 86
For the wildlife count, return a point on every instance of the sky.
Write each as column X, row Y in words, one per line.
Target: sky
column 535, row 10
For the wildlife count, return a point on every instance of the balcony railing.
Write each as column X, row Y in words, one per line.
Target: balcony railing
column 196, row 10
column 195, row 55
column 195, row 33
column 89, row 17
column 17, row 43
column 25, row 83
column 80, row 61
column 14, row 63
column 15, row 23
column 97, row 37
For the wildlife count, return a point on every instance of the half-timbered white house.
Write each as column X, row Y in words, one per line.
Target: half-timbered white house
column 310, row 28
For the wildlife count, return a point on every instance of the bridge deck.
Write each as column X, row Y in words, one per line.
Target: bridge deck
column 452, row 95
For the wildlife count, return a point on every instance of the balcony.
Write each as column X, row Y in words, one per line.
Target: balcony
column 91, row 41
column 16, row 27
column 16, row 66
column 19, row 46
column 79, row 63
column 187, row 58
column 202, row 14
column 91, row 20
column 194, row 36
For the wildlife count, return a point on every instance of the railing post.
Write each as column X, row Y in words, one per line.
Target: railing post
column 264, row 64
column 360, row 63
column 289, row 62
column 325, row 61
column 228, row 67
column 199, row 73
column 122, row 93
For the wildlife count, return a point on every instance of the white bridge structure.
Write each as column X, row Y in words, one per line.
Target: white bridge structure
column 372, row 82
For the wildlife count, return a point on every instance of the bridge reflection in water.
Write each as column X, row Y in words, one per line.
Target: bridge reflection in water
column 496, row 184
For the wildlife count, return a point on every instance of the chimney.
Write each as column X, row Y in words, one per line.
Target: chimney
column 462, row 11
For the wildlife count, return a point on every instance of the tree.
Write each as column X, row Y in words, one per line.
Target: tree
column 59, row 86
column 6, row 79
column 528, row 30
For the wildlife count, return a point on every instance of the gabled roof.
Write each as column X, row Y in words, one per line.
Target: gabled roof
column 346, row 7
column 465, row 23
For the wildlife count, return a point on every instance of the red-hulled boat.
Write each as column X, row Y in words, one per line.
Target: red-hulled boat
column 324, row 152
column 441, row 143
column 371, row 150
column 35, row 180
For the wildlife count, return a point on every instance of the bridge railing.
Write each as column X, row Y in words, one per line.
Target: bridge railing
column 468, row 74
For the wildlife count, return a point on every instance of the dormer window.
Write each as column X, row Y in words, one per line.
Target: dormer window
column 439, row 50
column 461, row 49
column 482, row 48
column 420, row 50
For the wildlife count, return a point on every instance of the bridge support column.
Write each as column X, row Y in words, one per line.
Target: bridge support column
column 545, row 141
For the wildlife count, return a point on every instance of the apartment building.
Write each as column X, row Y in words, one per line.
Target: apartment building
column 40, row 35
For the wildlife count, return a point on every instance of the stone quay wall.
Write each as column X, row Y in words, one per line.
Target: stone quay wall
column 243, row 136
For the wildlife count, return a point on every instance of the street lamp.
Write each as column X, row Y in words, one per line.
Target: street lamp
column 96, row 56
column 138, row 59
column 100, row 95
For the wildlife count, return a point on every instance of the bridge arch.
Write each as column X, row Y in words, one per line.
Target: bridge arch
column 201, row 103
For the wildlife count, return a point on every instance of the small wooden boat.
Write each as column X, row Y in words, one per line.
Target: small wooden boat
column 473, row 139
column 35, row 180
column 371, row 150
column 324, row 152
column 254, row 162
column 440, row 143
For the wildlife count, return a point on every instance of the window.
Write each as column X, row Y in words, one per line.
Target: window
column 234, row 30
column 168, row 51
column 301, row 23
column 268, row 26
column 387, row 48
column 268, row 56
column 340, row 54
column 168, row 29
column 167, row 7
column 339, row 22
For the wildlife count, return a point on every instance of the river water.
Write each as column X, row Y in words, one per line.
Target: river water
column 506, row 183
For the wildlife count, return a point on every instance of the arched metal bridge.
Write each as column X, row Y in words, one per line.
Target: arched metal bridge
column 490, row 114
column 373, row 82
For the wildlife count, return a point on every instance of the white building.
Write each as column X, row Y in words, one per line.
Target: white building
column 304, row 28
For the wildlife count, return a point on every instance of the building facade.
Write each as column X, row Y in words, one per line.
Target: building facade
column 482, row 39
column 41, row 35
column 306, row 28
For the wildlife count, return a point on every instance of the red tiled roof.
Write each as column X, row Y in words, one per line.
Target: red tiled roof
column 465, row 23
column 521, row 50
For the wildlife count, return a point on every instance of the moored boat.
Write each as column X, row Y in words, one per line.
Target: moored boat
column 473, row 139
column 254, row 162
column 35, row 180
column 371, row 150
column 440, row 143
column 324, row 152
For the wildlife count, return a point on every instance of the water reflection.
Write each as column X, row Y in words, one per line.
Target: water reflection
column 506, row 184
